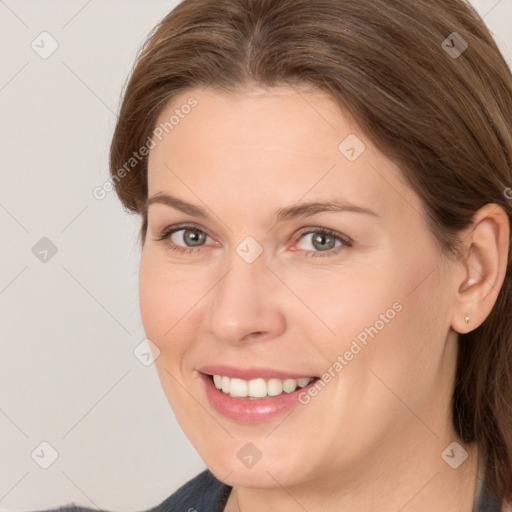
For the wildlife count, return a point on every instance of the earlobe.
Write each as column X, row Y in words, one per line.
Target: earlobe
column 484, row 267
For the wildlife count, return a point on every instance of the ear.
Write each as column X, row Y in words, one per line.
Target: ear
column 483, row 267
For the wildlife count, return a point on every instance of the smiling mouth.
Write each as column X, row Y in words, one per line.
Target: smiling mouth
column 258, row 388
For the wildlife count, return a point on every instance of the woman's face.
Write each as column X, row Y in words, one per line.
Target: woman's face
column 265, row 292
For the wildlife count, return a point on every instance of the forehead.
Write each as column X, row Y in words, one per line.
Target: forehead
column 269, row 146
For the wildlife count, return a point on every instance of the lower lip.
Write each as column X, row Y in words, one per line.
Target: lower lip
column 247, row 410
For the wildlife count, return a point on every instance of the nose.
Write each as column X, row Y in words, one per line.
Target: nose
column 246, row 304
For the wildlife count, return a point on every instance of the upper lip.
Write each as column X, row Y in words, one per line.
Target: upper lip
column 250, row 373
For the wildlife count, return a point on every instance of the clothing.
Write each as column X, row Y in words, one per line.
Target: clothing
column 205, row 493
column 211, row 495
column 484, row 502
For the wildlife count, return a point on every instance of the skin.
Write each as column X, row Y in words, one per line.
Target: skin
column 372, row 439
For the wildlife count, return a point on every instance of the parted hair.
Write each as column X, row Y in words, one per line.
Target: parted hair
column 425, row 82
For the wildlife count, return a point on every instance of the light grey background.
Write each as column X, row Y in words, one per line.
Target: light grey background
column 69, row 325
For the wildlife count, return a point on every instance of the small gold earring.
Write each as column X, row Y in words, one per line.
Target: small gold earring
column 466, row 319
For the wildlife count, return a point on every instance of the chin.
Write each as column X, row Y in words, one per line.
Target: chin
column 269, row 471
column 259, row 476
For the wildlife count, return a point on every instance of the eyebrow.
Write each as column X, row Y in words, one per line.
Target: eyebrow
column 281, row 214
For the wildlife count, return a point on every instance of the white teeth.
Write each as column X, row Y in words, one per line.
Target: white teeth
column 238, row 388
column 258, row 388
column 274, row 387
column 225, row 384
column 303, row 382
column 290, row 385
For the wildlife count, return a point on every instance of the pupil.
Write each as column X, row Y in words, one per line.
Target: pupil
column 322, row 241
column 195, row 237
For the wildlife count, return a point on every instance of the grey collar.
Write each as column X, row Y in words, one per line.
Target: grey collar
column 480, row 484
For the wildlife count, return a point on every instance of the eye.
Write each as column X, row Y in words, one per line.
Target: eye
column 323, row 241
column 191, row 237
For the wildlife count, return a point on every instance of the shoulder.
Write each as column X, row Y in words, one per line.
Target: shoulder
column 203, row 493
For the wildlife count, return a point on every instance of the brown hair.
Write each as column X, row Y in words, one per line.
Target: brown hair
column 444, row 119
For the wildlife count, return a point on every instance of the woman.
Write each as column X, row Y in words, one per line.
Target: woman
column 324, row 188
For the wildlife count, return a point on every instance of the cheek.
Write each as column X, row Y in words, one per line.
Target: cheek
column 403, row 357
column 382, row 316
column 166, row 295
column 344, row 305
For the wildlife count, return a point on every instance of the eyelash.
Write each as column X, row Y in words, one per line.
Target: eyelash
column 167, row 232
